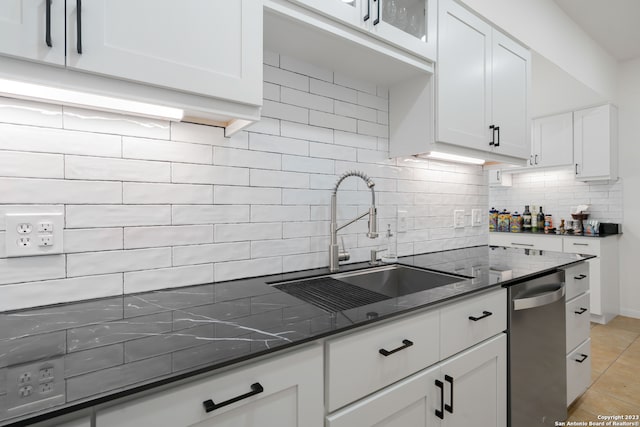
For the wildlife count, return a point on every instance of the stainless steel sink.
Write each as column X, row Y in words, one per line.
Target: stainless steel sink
column 397, row 280
column 342, row 291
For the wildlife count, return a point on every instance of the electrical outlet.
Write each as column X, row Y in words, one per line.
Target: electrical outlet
column 21, row 238
column 45, row 240
column 46, row 374
column 45, row 227
column 23, row 242
column 24, row 228
column 34, row 386
column 458, row 218
column 476, row 220
column 25, row 391
column 24, row 378
column 47, row 387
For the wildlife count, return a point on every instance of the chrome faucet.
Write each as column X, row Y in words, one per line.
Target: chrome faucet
column 335, row 254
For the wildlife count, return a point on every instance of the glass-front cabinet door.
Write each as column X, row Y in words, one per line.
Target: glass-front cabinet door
column 408, row 24
column 352, row 12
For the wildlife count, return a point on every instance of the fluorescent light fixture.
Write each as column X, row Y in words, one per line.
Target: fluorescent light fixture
column 36, row 92
column 452, row 158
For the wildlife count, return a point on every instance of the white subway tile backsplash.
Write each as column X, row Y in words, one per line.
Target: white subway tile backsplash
column 92, row 239
column 20, row 111
column 307, row 164
column 246, row 195
column 331, row 151
column 327, row 182
column 142, row 193
column 305, row 261
column 355, row 140
column 119, row 124
column 31, row 165
column 87, row 216
column 204, row 174
column 353, row 83
column 266, row 125
column 285, row 78
column 356, row 111
column 29, row 269
column 151, row 280
column 266, row 248
column 331, row 90
column 92, row 263
column 247, row 159
column 306, row 99
column 310, row 133
column 373, row 129
column 333, row 121
column 305, row 229
column 150, row 237
column 271, row 91
column 271, row 58
column 153, row 149
column 26, row 190
column 278, row 144
column 242, row 232
column 267, row 178
column 212, row 214
column 305, row 197
column 31, row 294
column 305, row 68
column 101, row 168
column 45, row 140
column 266, row 213
column 373, row 101
column 254, row 267
column 278, row 110
column 217, row 252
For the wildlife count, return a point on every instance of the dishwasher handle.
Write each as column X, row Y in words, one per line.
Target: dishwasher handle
column 540, row 299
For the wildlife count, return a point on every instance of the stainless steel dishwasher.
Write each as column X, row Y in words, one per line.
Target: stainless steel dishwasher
column 537, row 341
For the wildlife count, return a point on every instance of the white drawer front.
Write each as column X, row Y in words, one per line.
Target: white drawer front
column 526, row 241
column 578, row 316
column 578, row 371
column 459, row 331
column 582, row 245
column 356, row 367
column 576, row 280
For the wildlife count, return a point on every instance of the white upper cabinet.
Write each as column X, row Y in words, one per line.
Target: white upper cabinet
column 407, row 24
column 595, row 143
column 552, row 143
column 482, row 85
column 198, row 46
column 33, row 29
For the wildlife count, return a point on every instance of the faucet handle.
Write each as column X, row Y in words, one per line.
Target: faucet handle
column 343, row 255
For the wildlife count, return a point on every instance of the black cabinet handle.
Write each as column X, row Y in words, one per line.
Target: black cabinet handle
column 386, row 353
column 79, row 26
column 366, row 17
column 440, row 413
column 531, row 160
column 580, row 277
column 484, row 314
column 583, row 356
column 377, row 20
column 582, row 310
column 536, row 156
column 576, row 169
column 449, row 408
column 209, row 406
column 497, row 129
column 493, row 135
column 48, row 24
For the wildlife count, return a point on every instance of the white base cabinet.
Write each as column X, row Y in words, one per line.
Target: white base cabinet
column 291, row 396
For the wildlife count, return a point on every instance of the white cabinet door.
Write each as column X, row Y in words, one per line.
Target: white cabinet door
column 595, row 143
column 410, row 402
column 23, row 30
column 552, row 141
column 463, row 89
column 476, row 386
column 578, row 371
column 211, row 48
column 497, row 178
column 291, row 396
column 352, row 12
column 511, row 79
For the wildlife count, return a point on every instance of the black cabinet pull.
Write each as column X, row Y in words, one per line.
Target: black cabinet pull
column 377, row 20
column 582, row 310
column 79, row 26
column 531, row 160
column 580, row 277
column 209, row 406
column 386, row 353
column 497, row 144
column 576, row 169
column 536, row 156
column 48, row 24
column 440, row 413
column 493, row 135
column 583, row 356
column 366, row 17
column 484, row 314
column 449, row 408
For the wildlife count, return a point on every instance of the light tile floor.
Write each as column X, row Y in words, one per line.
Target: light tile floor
column 615, row 372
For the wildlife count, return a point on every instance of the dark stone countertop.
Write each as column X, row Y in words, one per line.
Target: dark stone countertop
column 113, row 347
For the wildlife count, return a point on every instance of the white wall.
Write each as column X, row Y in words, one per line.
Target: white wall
column 544, row 27
column 629, row 139
column 151, row 204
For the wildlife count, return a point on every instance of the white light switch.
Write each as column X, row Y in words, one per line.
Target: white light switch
column 33, row 234
column 476, row 220
column 458, row 218
column 402, row 221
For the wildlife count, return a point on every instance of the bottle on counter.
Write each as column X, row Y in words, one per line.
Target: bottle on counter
column 540, row 220
column 504, row 221
column 493, row 219
column 526, row 219
column 516, row 222
column 548, row 223
column 391, row 254
column 534, row 220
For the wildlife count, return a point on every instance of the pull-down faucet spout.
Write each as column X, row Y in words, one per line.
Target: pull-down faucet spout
column 335, row 255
